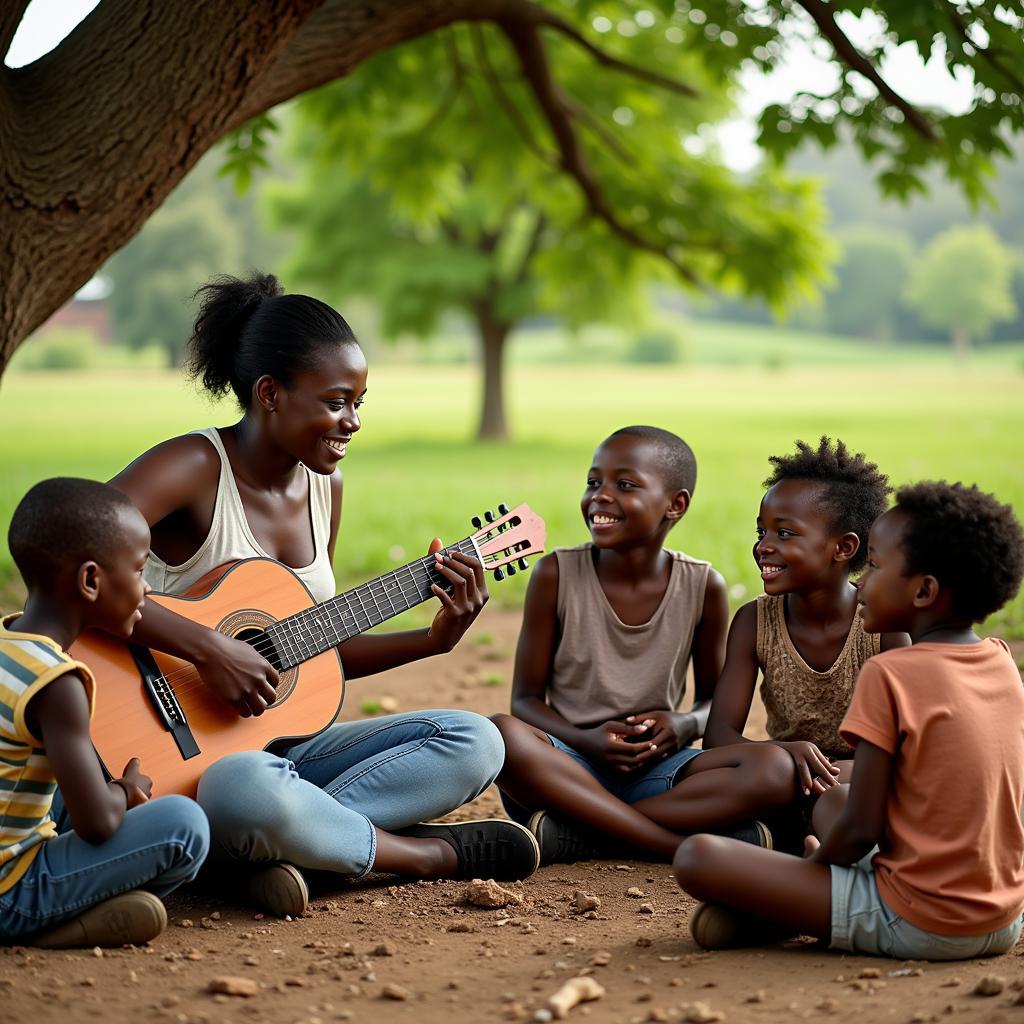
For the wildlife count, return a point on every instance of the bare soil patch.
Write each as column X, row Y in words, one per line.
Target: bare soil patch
column 381, row 952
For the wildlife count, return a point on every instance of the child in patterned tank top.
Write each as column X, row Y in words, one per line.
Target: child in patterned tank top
column 805, row 634
column 596, row 749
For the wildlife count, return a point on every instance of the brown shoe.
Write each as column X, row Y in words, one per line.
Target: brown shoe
column 713, row 926
column 281, row 889
column 129, row 919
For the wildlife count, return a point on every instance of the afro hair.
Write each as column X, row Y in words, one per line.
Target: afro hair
column 967, row 539
column 855, row 492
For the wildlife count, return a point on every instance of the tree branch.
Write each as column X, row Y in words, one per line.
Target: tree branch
column 531, row 248
column 11, row 13
column 529, row 47
column 987, row 54
column 506, row 103
column 542, row 16
column 824, row 18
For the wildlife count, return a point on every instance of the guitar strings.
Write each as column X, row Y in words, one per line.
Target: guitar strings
column 306, row 644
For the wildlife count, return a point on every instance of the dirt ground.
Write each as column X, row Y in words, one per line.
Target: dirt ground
column 380, row 953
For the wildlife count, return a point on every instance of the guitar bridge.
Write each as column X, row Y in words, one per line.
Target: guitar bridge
column 165, row 703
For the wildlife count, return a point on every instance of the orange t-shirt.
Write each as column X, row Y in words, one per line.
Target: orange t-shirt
column 951, row 860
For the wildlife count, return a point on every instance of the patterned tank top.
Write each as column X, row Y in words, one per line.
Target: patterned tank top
column 802, row 703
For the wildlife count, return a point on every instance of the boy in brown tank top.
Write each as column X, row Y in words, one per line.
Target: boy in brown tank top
column 804, row 634
column 596, row 749
column 938, row 776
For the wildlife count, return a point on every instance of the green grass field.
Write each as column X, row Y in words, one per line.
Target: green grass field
column 412, row 472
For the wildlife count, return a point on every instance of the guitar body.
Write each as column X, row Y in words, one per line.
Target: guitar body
column 240, row 601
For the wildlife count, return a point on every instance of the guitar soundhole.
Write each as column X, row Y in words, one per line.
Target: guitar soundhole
column 248, row 625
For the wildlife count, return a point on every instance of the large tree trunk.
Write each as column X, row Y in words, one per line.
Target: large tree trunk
column 94, row 135
column 493, row 334
column 961, row 345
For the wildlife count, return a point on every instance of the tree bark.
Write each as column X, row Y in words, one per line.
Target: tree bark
column 95, row 134
column 961, row 339
column 493, row 334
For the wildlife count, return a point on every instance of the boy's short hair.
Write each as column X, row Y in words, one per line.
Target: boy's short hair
column 62, row 523
column 678, row 463
column 856, row 492
column 967, row 539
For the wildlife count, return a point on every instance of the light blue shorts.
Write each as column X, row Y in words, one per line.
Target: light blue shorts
column 862, row 923
column 659, row 778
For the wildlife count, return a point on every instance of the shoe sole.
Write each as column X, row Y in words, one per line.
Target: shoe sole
column 767, row 842
column 281, row 889
column 126, row 920
column 712, row 927
column 533, row 825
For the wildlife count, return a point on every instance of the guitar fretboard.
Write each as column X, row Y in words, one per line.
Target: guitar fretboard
column 314, row 630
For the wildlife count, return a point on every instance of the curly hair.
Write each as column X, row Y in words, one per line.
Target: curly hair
column 855, row 492
column 967, row 539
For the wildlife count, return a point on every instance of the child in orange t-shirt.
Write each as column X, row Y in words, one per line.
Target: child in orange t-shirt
column 938, row 775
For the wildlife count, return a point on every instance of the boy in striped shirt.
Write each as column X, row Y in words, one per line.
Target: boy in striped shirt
column 80, row 547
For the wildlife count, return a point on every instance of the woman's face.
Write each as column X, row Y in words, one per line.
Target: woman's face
column 317, row 415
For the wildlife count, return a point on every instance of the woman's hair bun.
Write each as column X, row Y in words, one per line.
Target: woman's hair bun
column 226, row 304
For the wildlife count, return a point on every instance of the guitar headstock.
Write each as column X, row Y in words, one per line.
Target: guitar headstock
column 505, row 541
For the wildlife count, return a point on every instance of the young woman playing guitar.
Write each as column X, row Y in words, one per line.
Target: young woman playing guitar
column 349, row 800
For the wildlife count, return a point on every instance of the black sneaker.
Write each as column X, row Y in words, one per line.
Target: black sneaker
column 489, row 848
column 754, row 832
column 562, row 841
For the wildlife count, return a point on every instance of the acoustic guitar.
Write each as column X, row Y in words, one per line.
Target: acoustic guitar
column 155, row 706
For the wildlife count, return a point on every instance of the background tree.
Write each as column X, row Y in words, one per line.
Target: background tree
column 459, row 202
column 962, row 283
column 94, row 135
column 871, row 277
column 205, row 228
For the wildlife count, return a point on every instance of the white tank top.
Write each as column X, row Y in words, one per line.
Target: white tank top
column 230, row 538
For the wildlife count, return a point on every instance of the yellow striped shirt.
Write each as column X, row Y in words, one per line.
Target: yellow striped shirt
column 27, row 663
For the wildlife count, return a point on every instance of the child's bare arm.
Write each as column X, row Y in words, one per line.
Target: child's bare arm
column 735, row 689
column 860, row 823
column 535, row 655
column 709, row 649
column 60, row 715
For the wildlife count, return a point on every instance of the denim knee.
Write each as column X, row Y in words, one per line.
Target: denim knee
column 484, row 743
column 242, row 792
column 187, row 822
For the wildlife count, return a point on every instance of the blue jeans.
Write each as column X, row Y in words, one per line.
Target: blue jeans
column 158, row 846
column 317, row 804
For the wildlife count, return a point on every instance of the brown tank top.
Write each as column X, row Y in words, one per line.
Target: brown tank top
column 803, row 704
column 605, row 669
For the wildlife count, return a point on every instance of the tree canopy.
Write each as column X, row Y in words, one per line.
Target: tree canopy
column 456, row 197
column 94, row 135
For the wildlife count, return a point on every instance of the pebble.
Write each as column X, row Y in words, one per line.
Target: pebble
column 755, row 997
column 395, row 992
column 186, row 922
column 230, row 986
column 601, row 959
column 462, row 926
column 487, row 893
column 870, row 972
column 646, row 908
column 989, row 985
column 643, row 942
column 96, row 951
column 828, row 1004
column 383, row 949
column 543, row 1015
column 572, row 993
column 951, row 982
column 583, row 902
column 388, row 704
column 636, row 893
column 701, row 1013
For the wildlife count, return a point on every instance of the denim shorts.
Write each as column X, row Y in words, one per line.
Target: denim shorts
column 862, row 923
column 659, row 778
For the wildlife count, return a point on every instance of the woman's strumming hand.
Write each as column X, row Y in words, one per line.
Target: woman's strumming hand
column 235, row 671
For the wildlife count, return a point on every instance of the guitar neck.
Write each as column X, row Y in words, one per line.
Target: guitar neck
column 314, row 630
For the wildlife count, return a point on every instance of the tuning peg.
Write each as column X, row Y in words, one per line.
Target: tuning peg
column 523, row 564
column 503, row 509
column 511, row 568
column 489, row 516
column 499, row 575
column 476, row 521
